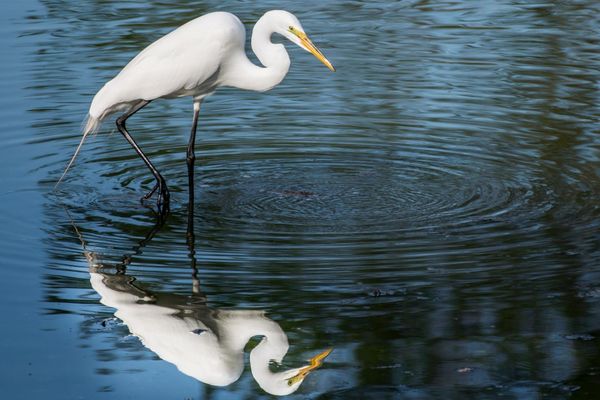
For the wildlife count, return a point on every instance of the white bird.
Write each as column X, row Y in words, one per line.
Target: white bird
column 203, row 343
column 194, row 60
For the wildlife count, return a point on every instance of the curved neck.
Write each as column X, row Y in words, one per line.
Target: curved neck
column 273, row 347
column 274, row 57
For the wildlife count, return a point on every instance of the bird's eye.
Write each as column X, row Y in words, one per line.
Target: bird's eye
column 291, row 28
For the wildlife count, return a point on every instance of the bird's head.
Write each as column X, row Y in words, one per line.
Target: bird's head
column 288, row 26
column 295, row 377
column 284, row 382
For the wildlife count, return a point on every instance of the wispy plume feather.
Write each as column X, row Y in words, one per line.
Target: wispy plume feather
column 91, row 126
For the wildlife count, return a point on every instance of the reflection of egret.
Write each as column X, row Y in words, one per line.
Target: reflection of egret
column 194, row 60
column 203, row 343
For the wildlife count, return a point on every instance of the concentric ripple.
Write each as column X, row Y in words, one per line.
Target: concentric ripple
column 418, row 193
column 332, row 195
column 361, row 196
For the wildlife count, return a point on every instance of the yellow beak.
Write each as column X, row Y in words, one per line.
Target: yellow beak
column 315, row 363
column 308, row 45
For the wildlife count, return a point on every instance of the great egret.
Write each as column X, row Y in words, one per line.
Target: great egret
column 204, row 343
column 194, row 60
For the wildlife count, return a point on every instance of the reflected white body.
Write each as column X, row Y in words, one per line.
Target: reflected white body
column 205, row 344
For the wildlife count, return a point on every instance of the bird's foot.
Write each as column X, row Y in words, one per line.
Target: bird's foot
column 162, row 202
column 149, row 194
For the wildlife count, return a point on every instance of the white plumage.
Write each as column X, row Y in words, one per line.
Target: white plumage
column 203, row 343
column 180, row 63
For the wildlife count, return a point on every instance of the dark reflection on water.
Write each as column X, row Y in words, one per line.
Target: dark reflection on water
column 430, row 210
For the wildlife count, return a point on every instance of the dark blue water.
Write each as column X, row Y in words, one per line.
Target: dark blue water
column 430, row 211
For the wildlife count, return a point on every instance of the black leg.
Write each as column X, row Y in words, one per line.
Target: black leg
column 191, row 237
column 137, row 250
column 191, row 242
column 191, row 155
column 161, row 185
column 197, row 296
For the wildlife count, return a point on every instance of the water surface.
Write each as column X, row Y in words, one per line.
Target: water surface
column 430, row 211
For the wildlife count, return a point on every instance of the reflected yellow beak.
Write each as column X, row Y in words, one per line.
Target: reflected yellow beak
column 308, row 45
column 315, row 363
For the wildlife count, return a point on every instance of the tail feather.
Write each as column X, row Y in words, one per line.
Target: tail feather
column 91, row 126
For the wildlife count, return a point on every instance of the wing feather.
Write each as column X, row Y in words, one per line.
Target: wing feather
column 183, row 59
